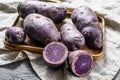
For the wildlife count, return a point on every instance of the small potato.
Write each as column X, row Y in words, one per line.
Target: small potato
column 15, row 35
column 93, row 37
column 40, row 29
column 54, row 11
column 71, row 37
column 83, row 16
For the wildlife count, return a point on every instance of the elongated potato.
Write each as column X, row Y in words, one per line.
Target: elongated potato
column 71, row 37
column 40, row 28
column 83, row 16
column 87, row 23
column 54, row 11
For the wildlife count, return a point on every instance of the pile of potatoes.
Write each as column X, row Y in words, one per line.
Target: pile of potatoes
column 39, row 20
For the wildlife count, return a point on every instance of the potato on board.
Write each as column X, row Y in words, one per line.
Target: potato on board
column 40, row 28
column 71, row 37
column 15, row 35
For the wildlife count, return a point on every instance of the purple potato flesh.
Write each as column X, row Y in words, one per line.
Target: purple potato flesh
column 93, row 37
column 55, row 54
column 40, row 29
column 81, row 62
column 15, row 35
column 71, row 37
column 54, row 11
column 83, row 16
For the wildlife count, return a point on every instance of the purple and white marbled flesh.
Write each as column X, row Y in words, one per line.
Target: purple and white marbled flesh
column 55, row 54
column 81, row 62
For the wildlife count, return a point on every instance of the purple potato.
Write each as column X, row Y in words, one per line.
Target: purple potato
column 15, row 35
column 71, row 37
column 54, row 11
column 83, row 16
column 40, row 29
column 93, row 37
column 80, row 62
column 55, row 54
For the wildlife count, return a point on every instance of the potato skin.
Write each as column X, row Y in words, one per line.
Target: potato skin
column 93, row 37
column 15, row 35
column 56, row 12
column 87, row 23
column 40, row 28
column 71, row 37
column 83, row 16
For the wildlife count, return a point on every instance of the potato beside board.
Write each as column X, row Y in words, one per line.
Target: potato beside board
column 97, row 54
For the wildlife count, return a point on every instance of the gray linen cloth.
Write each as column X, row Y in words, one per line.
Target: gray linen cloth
column 104, row 69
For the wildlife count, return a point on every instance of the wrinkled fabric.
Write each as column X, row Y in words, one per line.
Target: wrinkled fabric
column 104, row 69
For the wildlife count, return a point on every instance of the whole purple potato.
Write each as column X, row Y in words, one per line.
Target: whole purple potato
column 55, row 54
column 54, row 11
column 93, row 37
column 15, row 35
column 80, row 62
column 71, row 37
column 40, row 28
column 83, row 16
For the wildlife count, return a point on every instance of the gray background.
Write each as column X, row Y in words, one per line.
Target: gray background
column 18, row 71
column 22, row 71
